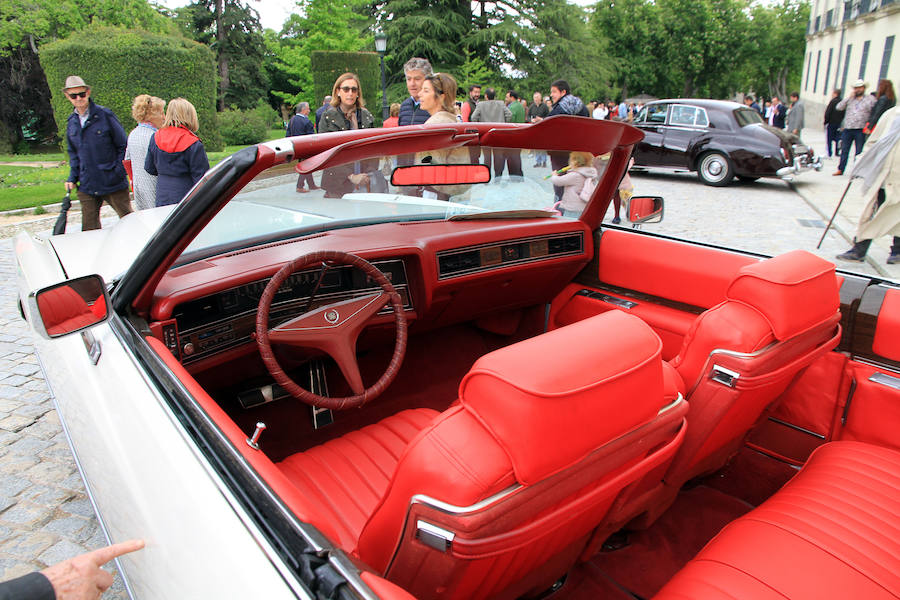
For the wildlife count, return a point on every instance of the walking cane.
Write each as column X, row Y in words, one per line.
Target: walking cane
column 836, row 208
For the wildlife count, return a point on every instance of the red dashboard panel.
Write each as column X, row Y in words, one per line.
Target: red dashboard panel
column 525, row 279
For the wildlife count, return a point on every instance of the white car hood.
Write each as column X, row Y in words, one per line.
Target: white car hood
column 110, row 251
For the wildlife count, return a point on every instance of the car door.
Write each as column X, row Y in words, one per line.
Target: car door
column 683, row 126
column 652, row 121
column 144, row 475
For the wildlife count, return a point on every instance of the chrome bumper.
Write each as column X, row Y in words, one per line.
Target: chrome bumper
column 801, row 163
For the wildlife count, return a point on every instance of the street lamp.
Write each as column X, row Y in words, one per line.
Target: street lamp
column 380, row 47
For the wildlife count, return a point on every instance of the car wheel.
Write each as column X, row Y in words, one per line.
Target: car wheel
column 747, row 178
column 714, row 168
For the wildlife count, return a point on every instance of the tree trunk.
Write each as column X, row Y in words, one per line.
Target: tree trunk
column 223, row 58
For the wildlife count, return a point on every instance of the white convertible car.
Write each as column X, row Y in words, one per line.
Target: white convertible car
column 427, row 382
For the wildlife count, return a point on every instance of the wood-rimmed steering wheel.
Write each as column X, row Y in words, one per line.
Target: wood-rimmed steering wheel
column 333, row 329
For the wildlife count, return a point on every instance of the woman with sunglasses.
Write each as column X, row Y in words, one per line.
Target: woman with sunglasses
column 347, row 112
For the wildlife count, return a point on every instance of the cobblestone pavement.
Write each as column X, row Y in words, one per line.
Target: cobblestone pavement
column 45, row 515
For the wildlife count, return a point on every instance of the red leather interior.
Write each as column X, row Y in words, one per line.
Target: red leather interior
column 832, row 532
column 63, row 309
column 874, row 412
column 351, row 473
column 543, row 392
column 887, row 328
column 667, row 268
column 792, row 298
column 794, row 291
column 556, row 425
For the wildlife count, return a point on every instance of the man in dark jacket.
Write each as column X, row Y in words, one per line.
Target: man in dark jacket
column 416, row 70
column 833, row 120
column 96, row 144
column 779, row 113
column 301, row 125
column 326, row 104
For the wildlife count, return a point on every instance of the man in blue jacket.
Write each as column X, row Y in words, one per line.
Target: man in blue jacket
column 96, row 144
column 416, row 70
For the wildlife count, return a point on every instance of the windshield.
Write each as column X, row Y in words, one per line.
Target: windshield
column 747, row 116
column 279, row 201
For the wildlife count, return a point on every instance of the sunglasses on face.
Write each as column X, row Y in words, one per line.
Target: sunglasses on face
column 78, row 95
column 347, row 88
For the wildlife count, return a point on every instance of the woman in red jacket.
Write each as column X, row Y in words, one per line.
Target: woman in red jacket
column 176, row 154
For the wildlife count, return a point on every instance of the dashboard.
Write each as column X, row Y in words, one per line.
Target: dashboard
column 217, row 322
column 444, row 272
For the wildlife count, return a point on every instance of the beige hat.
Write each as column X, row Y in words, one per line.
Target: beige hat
column 73, row 81
column 859, row 83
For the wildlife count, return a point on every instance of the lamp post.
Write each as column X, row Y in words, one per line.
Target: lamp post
column 380, row 47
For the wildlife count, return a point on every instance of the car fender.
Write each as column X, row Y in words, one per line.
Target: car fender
column 146, row 480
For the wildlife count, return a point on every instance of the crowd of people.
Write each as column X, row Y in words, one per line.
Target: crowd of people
column 162, row 155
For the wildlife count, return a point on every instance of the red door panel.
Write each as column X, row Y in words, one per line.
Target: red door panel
column 872, row 413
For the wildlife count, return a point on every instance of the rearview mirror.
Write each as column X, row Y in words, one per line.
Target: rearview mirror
column 644, row 209
column 69, row 306
column 433, row 174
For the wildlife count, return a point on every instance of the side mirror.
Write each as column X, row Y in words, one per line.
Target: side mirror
column 69, row 306
column 645, row 209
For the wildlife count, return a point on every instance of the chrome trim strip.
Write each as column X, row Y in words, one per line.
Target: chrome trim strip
column 462, row 510
column 736, row 354
column 797, row 428
column 671, row 405
column 885, row 379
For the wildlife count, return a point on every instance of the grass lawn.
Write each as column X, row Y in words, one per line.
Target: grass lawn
column 28, row 187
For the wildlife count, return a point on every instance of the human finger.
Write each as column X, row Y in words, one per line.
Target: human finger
column 102, row 556
column 103, row 580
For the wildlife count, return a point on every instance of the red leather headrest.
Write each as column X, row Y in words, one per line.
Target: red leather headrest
column 793, row 291
column 551, row 400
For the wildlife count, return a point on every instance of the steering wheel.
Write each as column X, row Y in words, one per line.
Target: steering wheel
column 333, row 329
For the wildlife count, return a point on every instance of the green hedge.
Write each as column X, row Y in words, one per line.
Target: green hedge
column 328, row 66
column 120, row 64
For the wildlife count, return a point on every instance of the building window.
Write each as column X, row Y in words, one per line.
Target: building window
column 886, row 57
column 848, row 10
column 863, row 60
column 808, row 65
column 816, row 78
column 865, row 6
column 829, row 17
column 846, row 68
column 828, row 70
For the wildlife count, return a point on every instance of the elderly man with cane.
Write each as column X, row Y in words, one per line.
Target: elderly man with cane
column 879, row 168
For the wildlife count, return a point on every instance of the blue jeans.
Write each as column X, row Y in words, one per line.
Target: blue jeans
column 833, row 138
column 848, row 136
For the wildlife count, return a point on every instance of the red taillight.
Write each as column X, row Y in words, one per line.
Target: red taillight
column 785, row 154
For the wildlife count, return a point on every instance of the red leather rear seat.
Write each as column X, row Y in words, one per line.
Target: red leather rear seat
column 832, row 532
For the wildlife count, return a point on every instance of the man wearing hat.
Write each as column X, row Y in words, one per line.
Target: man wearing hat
column 96, row 145
column 857, row 105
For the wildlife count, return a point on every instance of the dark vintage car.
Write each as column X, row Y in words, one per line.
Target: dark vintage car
column 719, row 140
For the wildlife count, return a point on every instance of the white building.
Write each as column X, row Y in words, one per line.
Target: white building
column 848, row 40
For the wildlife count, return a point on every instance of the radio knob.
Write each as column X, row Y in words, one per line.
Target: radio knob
column 188, row 349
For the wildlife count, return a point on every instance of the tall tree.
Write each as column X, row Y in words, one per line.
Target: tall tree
column 27, row 24
column 231, row 28
column 776, row 43
column 322, row 25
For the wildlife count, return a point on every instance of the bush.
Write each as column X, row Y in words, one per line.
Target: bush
column 268, row 114
column 243, row 127
column 120, row 64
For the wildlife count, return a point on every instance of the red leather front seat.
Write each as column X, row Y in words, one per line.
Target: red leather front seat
column 499, row 494
column 779, row 315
